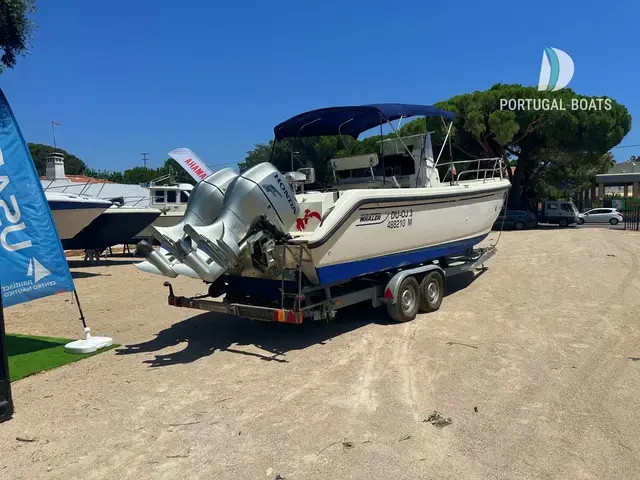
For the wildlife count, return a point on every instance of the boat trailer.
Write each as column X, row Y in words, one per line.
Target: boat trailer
column 405, row 291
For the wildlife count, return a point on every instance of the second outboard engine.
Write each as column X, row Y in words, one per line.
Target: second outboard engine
column 259, row 202
column 205, row 206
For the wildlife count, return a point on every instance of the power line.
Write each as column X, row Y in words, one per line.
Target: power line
column 226, row 163
column 144, row 158
column 628, row 146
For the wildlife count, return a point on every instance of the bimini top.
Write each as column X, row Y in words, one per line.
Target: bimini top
column 351, row 120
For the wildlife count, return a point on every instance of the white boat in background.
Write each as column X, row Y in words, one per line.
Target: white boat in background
column 171, row 200
column 72, row 213
column 117, row 225
column 253, row 237
column 134, row 206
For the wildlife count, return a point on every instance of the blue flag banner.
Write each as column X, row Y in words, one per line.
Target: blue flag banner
column 32, row 262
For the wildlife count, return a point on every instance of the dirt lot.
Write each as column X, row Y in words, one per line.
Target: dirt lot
column 536, row 362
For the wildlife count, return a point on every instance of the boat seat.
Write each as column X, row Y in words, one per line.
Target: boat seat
column 355, row 162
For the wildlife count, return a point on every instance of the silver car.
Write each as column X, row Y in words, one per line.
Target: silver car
column 600, row 215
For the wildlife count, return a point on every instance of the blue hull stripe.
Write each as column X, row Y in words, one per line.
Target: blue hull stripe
column 67, row 205
column 345, row 271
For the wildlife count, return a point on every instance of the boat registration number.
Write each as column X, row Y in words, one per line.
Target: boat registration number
column 400, row 218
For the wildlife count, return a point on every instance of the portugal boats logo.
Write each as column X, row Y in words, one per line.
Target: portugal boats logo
column 556, row 71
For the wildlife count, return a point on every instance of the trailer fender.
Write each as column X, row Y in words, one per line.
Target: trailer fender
column 392, row 287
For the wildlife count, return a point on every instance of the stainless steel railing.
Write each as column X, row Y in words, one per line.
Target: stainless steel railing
column 484, row 174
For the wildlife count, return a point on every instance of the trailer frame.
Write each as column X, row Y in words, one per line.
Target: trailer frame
column 381, row 288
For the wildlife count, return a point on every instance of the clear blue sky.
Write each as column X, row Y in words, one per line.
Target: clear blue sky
column 123, row 77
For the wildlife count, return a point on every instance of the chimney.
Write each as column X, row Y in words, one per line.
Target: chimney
column 55, row 166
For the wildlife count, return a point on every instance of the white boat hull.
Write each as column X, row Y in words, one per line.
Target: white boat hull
column 168, row 219
column 70, row 222
column 346, row 234
column 388, row 229
column 115, row 226
column 72, row 213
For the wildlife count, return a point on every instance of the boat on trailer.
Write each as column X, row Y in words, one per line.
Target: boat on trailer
column 388, row 229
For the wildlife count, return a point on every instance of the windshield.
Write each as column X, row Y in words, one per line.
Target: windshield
column 573, row 206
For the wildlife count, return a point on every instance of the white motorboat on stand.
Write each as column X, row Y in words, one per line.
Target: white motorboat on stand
column 72, row 213
column 388, row 229
column 117, row 225
column 134, row 206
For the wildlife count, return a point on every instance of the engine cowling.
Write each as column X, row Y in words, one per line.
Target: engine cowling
column 204, row 207
column 259, row 196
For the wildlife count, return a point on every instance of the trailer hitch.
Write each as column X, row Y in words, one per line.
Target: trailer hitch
column 168, row 284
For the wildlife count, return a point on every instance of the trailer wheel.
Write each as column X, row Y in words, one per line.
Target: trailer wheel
column 431, row 292
column 216, row 289
column 408, row 302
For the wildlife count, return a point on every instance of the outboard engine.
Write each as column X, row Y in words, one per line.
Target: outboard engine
column 205, row 205
column 258, row 206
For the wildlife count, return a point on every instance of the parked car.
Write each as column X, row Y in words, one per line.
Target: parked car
column 560, row 212
column 600, row 215
column 516, row 219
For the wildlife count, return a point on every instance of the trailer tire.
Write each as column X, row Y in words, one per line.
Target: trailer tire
column 216, row 289
column 431, row 292
column 408, row 302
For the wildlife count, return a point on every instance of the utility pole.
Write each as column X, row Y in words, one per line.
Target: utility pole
column 53, row 131
column 144, row 158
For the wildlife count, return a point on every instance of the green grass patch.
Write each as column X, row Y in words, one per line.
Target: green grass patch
column 29, row 355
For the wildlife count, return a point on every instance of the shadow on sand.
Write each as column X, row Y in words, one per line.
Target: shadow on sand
column 207, row 333
column 109, row 262
column 76, row 275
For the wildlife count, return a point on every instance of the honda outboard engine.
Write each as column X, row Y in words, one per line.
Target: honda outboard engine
column 258, row 207
column 246, row 214
column 205, row 205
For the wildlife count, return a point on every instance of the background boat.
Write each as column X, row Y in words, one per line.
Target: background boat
column 71, row 213
column 115, row 226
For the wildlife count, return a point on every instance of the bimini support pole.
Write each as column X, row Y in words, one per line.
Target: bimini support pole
column 273, row 147
column 417, row 163
column 440, row 154
column 340, row 134
column 384, row 172
column 452, row 167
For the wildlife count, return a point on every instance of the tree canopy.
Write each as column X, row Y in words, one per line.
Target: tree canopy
column 555, row 152
column 72, row 164
column 15, row 30
column 542, row 142
column 139, row 175
column 135, row 176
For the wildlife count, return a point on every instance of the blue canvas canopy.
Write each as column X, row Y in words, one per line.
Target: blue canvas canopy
column 352, row 120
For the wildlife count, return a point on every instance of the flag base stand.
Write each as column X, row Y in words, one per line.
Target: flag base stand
column 88, row 344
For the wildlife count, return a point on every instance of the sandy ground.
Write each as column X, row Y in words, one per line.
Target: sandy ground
column 545, row 345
